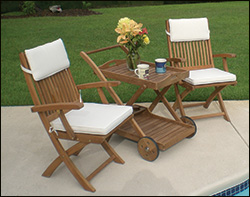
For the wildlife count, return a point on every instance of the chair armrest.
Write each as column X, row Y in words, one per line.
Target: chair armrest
column 98, row 84
column 229, row 55
column 177, row 60
column 224, row 57
column 56, row 106
column 60, row 107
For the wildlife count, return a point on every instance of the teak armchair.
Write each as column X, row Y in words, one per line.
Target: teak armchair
column 189, row 41
column 58, row 103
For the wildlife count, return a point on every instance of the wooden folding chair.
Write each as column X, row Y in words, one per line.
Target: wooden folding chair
column 189, row 40
column 57, row 100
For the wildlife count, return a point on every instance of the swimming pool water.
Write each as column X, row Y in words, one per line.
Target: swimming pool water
column 241, row 189
column 243, row 193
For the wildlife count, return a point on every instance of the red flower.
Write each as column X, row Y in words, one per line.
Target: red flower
column 144, row 31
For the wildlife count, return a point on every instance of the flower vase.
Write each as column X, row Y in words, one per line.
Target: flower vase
column 133, row 59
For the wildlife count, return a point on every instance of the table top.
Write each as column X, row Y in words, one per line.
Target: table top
column 117, row 69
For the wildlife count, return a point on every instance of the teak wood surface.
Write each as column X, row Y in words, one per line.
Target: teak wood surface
column 117, row 69
column 166, row 132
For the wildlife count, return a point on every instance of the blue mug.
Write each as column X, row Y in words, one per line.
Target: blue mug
column 160, row 65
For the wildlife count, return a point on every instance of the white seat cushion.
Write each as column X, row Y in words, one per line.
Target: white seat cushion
column 47, row 59
column 95, row 118
column 208, row 76
column 188, row 29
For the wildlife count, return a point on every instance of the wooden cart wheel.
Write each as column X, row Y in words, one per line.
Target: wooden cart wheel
column 148, row 148
column 190, row 121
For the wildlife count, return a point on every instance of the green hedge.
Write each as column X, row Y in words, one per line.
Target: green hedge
column 12, row 6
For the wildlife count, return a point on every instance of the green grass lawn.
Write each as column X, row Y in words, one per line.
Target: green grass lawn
column 229, row 27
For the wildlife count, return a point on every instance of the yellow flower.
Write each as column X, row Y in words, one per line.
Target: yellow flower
column 131, row 33
column 125, row 20
column 146, row 39
column 135, row 28
column 123, row 31
column 126, row 28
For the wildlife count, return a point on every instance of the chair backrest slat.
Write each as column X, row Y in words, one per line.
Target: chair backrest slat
column 58, row 88
column 64, row 84
column 198, row 54
column 72, row 89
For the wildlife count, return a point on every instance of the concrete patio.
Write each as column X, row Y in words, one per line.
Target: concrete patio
column 216, row 158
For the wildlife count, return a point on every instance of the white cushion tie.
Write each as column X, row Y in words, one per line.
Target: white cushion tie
column 25, row 69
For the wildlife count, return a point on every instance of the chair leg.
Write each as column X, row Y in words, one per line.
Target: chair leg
column 76, row 153
column 112, row 152
column 108, row 138
column 213, row 95
column 223, row 108
column 74, row 150
column 216, row 92
column 70, row 165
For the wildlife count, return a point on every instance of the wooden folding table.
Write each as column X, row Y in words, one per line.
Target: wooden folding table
column 158, row 132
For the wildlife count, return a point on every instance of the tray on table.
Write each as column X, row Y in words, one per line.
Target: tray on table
column 117, row 69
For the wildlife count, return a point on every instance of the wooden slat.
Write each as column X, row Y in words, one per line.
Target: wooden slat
column 74, row 88
column 65, row 90
column 207, row 54
column 191, row 53
column 185, row 55
column 39, row 90
column 60, row 90
column 204, row 53
column 43, row 94
column 210, row 53
column 57, row 88
column 196, row 53
column 174, row 52
column 68, row 86
column 164, row 131
column 188, row 54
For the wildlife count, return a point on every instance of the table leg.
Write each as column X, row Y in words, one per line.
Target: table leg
column 136, row 95
column 160, row 96
column 179, row 100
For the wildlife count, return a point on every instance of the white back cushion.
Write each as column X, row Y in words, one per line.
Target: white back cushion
column 208, row 76
column 47, row 59
column 188, row 29
column 95, row 118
